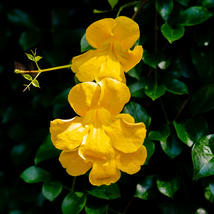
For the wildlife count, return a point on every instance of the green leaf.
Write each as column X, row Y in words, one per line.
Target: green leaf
column 84, row 45
column 161, row 135
column 51, row 189
column 106, row 192
column 112, row 3
column 183, row 2
column 175, row 86
column 27, row 76
column 155, row 92
column 35, row 174
column 202, row 101
column 62, row 98
column 147, row 188
column 35, row 83
column 73, row 203
column 153, row 59
column 139, row 113
column 19, row 153
column 150, row 147
column 168, row 184
column 194, row 15
column 29, row 39
column 202, row 59
column 30, row 57
column 37, row 58
column 172, row 146
column 207, row 3
column 136, row 71
column 20, row 18
column 97, row 208
column 203, row 157
column 164, row 7
column 172, row 34
column 46, row 151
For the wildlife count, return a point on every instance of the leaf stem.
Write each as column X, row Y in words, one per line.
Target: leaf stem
column 139, row 8
column 44, row 70
column 31, row 82
column 73, row 184
column 128, row 205
column 164, row 111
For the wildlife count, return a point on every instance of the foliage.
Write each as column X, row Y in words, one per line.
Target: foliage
column 172, row 92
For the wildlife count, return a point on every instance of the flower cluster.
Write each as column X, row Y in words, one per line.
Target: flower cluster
column 100, row 138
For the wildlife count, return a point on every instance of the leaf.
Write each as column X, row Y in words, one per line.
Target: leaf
column 161, row 135
column 168, row 184
column 150, row 148
column 203, row 157
column 175, row 86
column 20, row 18
column 97, row 208
column 37, row 58
column 27, row 76
column 147, row 188
column 30, row 57
column 73, row 202
column 112, row 3
column 194, row 15
column 35, row 83
column 136, row 71
column 183, row 2
column 51, row 189
column 35, row 174
column 19, row 153
column 202, row 101
column 139, row 113
column 155, row 92
column 207, row 3
column 106, row 192
column 46, row 151
column 84, row 45
column 164, row 7
column 172, row 34
column 153, row 59
column 172, row 146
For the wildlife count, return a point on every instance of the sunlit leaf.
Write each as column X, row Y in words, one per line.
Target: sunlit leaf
column 35, row 83
column 27, row 76
column 30, row 56
column 112, row 3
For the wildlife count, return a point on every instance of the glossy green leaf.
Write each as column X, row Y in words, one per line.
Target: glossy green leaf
column 150, row 148
column 207, row 3
column 155, row 91
column 21, row 18
column 136, row 71
column 153, row 59
column 202, row 101
column 208, row 195
column 73, row 202
column 27, row 76
column 161, row 135
column 168, row 184
column 194, row 15
column 203, row 157
column 175, row 86
column 37, row 58
column 30, row 56
column 35, row 174
column 97, row 208
column 51, row 189
column 35, row 83
column 201, row 211
column 112, row 3
column 202, row 58
column 183, row 2
column 84, row 45
column 29, row 39
column 164, row 7
column 147, row 188
column 46, row 151
column 172, row 146
column 106, row 192
column 172, row 34
column 139, row 113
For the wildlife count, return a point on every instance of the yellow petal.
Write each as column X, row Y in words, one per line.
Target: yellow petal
column 87, row 65
column 96, row 147
column 128, row 58
column 126, row 117
column 84, row 96
column 73, row 163
column 108, row 174
column 99, row 31
column 67, row 134
column 126, row 31
column 125, row 137
column 131, row 162
column 114, row 95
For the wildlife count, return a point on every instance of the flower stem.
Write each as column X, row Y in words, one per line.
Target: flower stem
column 43, row 70
column 73, row 184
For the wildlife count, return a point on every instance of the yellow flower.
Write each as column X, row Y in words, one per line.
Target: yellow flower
column 112, row 40
column 100, row 138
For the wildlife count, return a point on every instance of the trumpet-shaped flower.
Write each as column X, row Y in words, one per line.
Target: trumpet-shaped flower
column 112, row 40
column 101, row 138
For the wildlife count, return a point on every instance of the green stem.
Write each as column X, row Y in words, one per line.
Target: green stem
column 73, row 184
column 31, row 81
column 164, row 111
